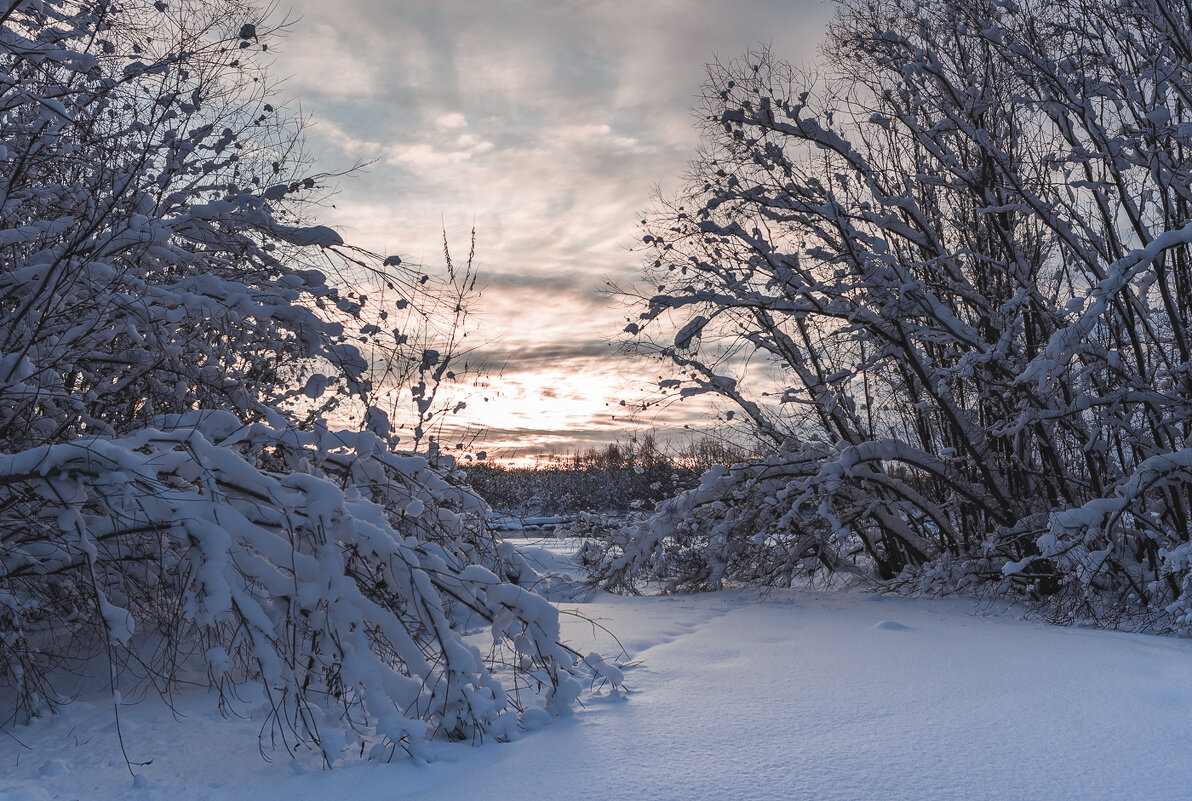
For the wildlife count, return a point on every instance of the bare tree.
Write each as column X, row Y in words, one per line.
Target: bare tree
column 421, row 341
column 946, row 279
column 168, row 505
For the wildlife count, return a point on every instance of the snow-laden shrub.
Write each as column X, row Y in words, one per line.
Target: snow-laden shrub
column 173, row 504
column 773, row 521
column 147, row 262
column 338, row 574
column 947, row 281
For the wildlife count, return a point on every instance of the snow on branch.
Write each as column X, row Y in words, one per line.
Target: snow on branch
column 174, row 505
column 946, row 278
column 349, row 606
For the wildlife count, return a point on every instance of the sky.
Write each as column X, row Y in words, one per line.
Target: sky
column 546, row 126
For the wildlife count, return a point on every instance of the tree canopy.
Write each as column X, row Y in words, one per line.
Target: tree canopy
column 946, row 279
column 182, row 494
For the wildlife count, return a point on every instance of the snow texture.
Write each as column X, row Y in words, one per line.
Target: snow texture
column 791, row 695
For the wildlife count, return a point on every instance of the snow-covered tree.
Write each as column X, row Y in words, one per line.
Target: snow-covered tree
column 947, row 279
column 173, row 501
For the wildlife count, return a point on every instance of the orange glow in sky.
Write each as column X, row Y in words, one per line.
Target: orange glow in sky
column 547, row 127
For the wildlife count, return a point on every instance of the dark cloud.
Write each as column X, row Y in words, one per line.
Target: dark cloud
column 510, row 443
column 531, row 358
column 573, row 280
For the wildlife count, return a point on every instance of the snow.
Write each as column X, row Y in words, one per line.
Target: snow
column 510, row 523
column 735, row 694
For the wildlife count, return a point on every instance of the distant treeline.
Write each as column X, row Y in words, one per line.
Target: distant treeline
column 619, row 477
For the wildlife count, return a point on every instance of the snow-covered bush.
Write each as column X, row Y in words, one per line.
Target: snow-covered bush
column 740, row 524
column 340, row 575
column 948, row 281
column 147, row 264
column 172, row 501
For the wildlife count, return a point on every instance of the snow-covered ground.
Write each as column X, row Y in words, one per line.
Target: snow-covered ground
column 792, row 695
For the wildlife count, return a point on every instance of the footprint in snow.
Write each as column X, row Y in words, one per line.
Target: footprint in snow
column 890, row 625
column 53, row 768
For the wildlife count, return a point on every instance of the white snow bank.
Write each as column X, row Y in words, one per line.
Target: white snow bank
column 790, row 696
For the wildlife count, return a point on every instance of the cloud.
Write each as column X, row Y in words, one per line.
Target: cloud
column 547, row 127
column 451, row 120
column 579, row 355
column 320, row 62
column 510, row 443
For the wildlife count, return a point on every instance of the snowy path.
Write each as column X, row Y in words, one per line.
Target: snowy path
column 802, row 698
column 797, row 696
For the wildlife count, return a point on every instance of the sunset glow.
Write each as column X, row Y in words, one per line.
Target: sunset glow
column 547, row 127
